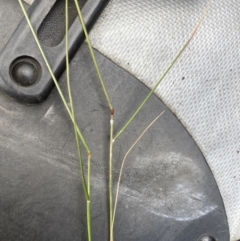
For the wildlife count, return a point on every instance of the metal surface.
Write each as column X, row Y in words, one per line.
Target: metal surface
column 168, row 192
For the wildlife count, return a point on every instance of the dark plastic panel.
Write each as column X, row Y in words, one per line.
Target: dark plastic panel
column 23, row 73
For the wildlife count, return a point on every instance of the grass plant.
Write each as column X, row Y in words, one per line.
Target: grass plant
column 80, row 139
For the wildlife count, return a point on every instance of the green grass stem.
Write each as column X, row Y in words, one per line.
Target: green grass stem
column 89, row 218
column 89, row 207
column 87, row 186
column 93, row 55
column 111, row 176
column 165, row 73
column 71, row 101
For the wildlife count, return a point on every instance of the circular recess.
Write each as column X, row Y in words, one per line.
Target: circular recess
column 25, row 71
column 207, row 238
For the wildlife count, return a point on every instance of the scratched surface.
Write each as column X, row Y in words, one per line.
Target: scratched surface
column 168, row 192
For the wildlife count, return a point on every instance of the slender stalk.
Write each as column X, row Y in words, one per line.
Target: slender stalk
column 165, row 73
column 123, row 162
column 81, row 166
column 111, row 176
column 89, row 208
column 53, row 76
column 89, row 218
column 93, row 55
column 89, row 174
column 87, row 188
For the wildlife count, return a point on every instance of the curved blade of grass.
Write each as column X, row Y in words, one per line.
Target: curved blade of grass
column 166, row 72
column 93, row 55
column 123, row 162
column 53, row 76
